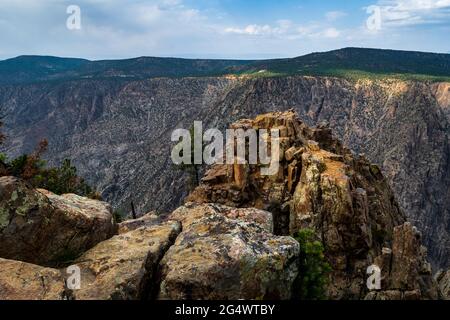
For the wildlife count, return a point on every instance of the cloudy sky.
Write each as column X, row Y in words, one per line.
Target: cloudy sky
column 219, row 28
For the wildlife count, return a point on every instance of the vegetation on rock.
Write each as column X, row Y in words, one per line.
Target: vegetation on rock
column 313, row 267
column 33, row 169
column 192, row 169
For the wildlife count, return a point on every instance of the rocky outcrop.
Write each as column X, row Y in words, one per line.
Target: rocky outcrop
column 345, row 199
column 443, row 280
column 216, row 257
column 222, row 252
column 232, row 240
column 24, row 281
column 43, row 228
column 123, row 267
column 405, row 271
column 108, row 125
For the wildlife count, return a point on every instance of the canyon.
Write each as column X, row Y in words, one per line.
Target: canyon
column 221, row 244
column 117, row 131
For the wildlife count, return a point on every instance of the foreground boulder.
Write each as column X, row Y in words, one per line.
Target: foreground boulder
column 24, row 281
column 344, row 198
column 192, row 212
column 216, row 257
column 40, row 227
column 123, row 267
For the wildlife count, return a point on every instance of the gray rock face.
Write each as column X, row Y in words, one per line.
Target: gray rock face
column 405, row 272
column 218, row 258
column 213, row 257
column 118, row 133
column 124, row 267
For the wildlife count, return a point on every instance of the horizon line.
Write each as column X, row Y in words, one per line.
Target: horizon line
column 217, row 59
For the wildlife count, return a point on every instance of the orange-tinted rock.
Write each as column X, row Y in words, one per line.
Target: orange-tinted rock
column 321, row 185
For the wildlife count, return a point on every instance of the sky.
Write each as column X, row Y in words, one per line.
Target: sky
column 239, row 29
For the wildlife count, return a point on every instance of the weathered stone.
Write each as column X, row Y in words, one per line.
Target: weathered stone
column 240, row 175
column 289, row 154
column 405, row 262
column 443, row 280
column 217, row 174
column 313, row 145
column 124, row 266
column 24, row 281
column 292, row 176
column 43, row 228
column 146, row 220
column 191, row 212
column 384, row 295
column 220, row 258
column 348, row 203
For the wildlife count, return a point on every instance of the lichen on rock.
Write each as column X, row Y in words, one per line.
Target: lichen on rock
column 321, row 185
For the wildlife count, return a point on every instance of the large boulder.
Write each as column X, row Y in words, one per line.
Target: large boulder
column 124, row 266
column 216, row 257
column 24, row 281
column 40, row 227
column 191, row 212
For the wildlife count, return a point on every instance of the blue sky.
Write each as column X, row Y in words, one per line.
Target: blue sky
column 220, row 28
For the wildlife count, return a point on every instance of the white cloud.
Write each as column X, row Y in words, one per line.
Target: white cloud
column 331, row 33
column 335, row 15
column 129, row 28
column 282, row 27
column 286, row 29
column 396, row 13
column 110, row 29
column 252, row 29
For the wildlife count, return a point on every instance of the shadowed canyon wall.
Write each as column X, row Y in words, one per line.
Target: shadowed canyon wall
column 118, row 132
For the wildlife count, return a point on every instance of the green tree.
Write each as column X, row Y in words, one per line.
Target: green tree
column 313, row 267
column 63, row 179
column 192, row 169
column 59, row 180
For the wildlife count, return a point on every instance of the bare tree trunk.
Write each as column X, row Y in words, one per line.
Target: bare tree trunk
column 133, row 211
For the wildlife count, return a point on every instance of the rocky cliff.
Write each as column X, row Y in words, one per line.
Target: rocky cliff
column 118, row 132
column 345, row 199
column 231, row 240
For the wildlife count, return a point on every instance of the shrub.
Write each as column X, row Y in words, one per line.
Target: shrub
column 192, row 169
column 59, row 180
column 313, row 267
column 119, row 216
